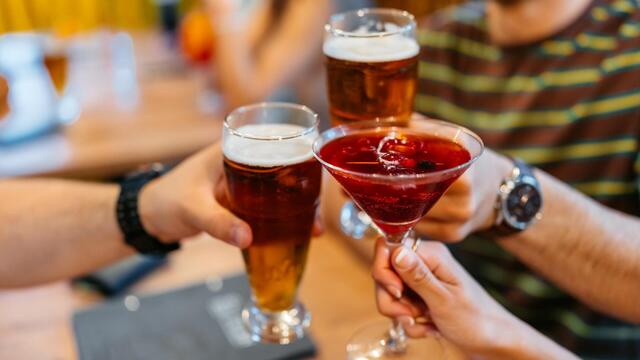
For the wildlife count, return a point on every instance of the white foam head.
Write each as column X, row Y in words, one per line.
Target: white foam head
column 371, row 49
column 269, row 153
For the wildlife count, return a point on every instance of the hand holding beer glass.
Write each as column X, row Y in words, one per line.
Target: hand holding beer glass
column 371, row 57
column 273, row 184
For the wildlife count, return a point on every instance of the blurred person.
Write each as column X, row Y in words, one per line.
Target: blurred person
column 453, row 305
column 555, row 83
column 272, row 52
column 57, row 229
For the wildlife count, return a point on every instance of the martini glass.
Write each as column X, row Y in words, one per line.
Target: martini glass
column 395, row 175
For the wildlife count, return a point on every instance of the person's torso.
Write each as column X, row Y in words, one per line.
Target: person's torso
column 569, row 105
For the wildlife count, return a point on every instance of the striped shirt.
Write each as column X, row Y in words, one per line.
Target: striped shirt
column 568, row 104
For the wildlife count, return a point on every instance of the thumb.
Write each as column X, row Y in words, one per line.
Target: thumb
column 210, row 217
column 417, row 275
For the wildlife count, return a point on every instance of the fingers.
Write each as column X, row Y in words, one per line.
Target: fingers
column 417, row 275
column 221, row 193
column 439, row 260
column 382, row 271
column 446, row 231
column 415, row 329
column 210, row 217
column 318, row 225
column 392, row 307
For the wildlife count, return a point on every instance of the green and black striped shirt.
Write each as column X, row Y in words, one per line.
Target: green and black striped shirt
column 570, row 105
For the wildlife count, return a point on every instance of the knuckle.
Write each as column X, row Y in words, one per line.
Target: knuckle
column 465, row 211
column 420, row 275
column 376, row 274
column 452, row 233
column 439, row 249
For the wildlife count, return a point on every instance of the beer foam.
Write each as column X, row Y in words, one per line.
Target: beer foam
column 371, row 49
column 269, row 153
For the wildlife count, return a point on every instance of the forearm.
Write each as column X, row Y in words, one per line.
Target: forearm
column 591, row 251
column 69, row 226
column 525, row 343
column 235, row 71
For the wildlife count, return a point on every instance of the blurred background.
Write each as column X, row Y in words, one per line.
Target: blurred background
column 94, row 88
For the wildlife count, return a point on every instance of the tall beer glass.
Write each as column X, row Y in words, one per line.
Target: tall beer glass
column 273, row 184
column 372, row 64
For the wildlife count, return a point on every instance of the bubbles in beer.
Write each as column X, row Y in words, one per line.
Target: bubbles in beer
column 371, row 49
column 246, row 149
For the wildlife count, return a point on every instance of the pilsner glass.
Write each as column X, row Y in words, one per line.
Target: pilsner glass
column 273, row 184
column 372, row 65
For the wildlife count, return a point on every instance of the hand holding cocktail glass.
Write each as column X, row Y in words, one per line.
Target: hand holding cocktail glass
column 456, row 305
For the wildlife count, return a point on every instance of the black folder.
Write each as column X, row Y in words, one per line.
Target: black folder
column 196, row 322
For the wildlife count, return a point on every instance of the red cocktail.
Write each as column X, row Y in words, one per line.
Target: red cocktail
column 395, row 206
column 395, row 175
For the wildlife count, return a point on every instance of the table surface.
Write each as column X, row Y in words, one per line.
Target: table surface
column 165, row 124
column 337, row 288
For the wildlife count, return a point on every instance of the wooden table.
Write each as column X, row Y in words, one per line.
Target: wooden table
column 164, row 125
column 337, row 289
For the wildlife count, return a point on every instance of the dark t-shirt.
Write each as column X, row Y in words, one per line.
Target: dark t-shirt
column 570, row 105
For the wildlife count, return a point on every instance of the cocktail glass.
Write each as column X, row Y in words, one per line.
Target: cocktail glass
column 395, row 174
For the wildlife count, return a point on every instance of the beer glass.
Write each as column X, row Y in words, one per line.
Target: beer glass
column 371, row 57
column 273, row 184
column 4, row 97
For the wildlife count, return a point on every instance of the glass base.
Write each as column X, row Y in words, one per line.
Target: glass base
column 355, row 223
column 279, row 327
column 373, row 342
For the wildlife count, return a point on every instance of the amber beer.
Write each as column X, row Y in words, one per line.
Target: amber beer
column 274, row 187
column 4, row 97
column 57, row 66
column 371, row 76
column 279, row 203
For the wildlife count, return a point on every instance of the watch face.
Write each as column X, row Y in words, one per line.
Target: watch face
column 523, row 203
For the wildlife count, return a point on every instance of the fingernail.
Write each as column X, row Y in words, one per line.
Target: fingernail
column 238, row 235
column 407, row 320
column 405, row 258
column 394, row 291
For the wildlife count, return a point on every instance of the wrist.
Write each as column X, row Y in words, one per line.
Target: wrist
column 148, row 210
column 500, row 166
column 513, row 339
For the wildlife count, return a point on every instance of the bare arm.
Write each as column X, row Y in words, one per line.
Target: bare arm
column 591, row 251
column 52, row 229
column 56, row 229
column 586, row 248
column 247, row 76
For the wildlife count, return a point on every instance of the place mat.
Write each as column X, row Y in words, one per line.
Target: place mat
column 196, row 322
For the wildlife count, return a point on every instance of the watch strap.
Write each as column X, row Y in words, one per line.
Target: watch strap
column 128, row 216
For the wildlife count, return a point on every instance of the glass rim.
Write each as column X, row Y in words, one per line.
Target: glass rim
column 271, row 105
column 367, row 125
column 363, row 12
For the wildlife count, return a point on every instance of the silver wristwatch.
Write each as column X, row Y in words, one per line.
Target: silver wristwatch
column 519, row 201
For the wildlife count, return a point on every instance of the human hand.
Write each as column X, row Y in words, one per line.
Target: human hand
column 468, row 205
column 449, row 301
column 182, row 203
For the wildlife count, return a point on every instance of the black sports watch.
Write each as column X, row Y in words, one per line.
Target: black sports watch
column 128, row 217
column 519, row 200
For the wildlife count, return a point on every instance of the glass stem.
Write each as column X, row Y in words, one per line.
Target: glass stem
column 396, row 343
